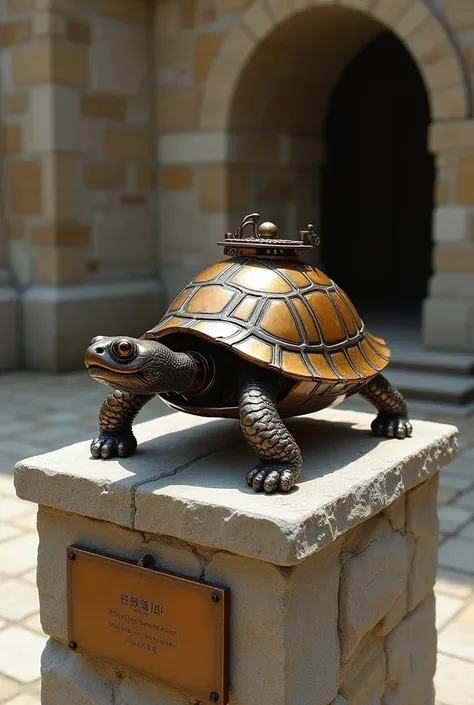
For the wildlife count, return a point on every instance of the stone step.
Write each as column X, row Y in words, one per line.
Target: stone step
column 430, row 386
column 411, row 358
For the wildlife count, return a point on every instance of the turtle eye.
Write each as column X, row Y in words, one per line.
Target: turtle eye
column 123, row 349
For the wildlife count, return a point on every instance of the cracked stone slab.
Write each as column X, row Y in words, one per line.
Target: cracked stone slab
column 188, row 481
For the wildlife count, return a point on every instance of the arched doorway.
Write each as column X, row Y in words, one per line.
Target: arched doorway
column 377, row 187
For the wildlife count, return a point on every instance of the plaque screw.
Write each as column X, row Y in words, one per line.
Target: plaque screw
column 72, row 645
column 214, row 697
column 72, row 556
column 215, row 598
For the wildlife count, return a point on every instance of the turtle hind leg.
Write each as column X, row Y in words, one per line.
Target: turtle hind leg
column 280, row 458
column 392, row 418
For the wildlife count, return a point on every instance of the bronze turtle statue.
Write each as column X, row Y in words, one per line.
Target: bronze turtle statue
column 260, row 336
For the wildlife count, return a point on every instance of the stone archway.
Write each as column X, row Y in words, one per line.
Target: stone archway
column 411, row 20
column 301, row 47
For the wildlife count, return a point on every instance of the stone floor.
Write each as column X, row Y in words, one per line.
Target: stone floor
column 42, row 412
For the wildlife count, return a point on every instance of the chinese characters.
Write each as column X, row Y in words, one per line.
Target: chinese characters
column 141, row 604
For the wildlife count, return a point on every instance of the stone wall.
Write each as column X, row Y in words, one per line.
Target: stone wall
column 78, row 141
column 136, row 132
column 78, row 169
column 356, row 621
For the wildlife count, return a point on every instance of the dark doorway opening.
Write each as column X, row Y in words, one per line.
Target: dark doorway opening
column 377, row 191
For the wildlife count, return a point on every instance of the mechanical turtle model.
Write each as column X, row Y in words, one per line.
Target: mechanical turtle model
column 260, row 336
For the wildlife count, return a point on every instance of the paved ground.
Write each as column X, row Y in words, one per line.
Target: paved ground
column 42, row 412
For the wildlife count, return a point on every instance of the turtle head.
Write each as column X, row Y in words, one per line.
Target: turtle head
column 139, row 366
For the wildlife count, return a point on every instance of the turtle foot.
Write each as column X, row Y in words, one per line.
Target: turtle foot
column 392, row 426
column 271, row 477
column 107, row 446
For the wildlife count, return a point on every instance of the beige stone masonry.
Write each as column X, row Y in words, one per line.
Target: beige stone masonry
column 336, row 577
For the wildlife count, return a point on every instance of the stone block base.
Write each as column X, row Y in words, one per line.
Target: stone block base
column 59, row 322
column 331, row 586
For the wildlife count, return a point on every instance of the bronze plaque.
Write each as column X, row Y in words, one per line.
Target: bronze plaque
column 164, row 627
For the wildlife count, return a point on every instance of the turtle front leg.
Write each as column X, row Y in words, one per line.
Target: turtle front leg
column 280, row 458
column 116, row 416
column 392, row 419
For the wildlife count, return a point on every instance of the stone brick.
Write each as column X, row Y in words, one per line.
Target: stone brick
column 13, row 33
column 127, row 143
column 411, row 656
column 465, row 180
column 363, row 679
column 460, row 14
column 452, row 134
column 79, row 32
column 308, row 631
column 425, row 39
column 460, row 260
column 136, row 11
column 393, row 617
column 60, row 235
column 223, row 187
column 145, row 178
column 188, row 9
column 17, row 7
column 113, row 70
column 177, row 177
column 16, row 103
column 60, row 187
column 422, row 529
column 442, row 191
column 238, row 46
column 177, row 110
column 280, row 9
column 416, row 14
column 173, row 50
column 25, row 187
column 11, row 140
column 449, row 102
column 104, row 106
column 98, row 175
column 450, row 223
column 371, row 581
column 389, row 11
column 444, row 73
column 206, row 48
column 45, row 63
column 46, row 24
column 258, row 20
column 56, row 266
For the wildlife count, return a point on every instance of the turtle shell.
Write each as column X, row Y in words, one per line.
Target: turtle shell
column 288, row 316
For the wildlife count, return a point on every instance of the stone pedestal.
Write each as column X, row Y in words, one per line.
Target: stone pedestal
column 331, row 586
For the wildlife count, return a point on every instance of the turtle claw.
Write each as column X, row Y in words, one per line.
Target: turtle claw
column 273, row 477
column 106, row 446
column 392, row 426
